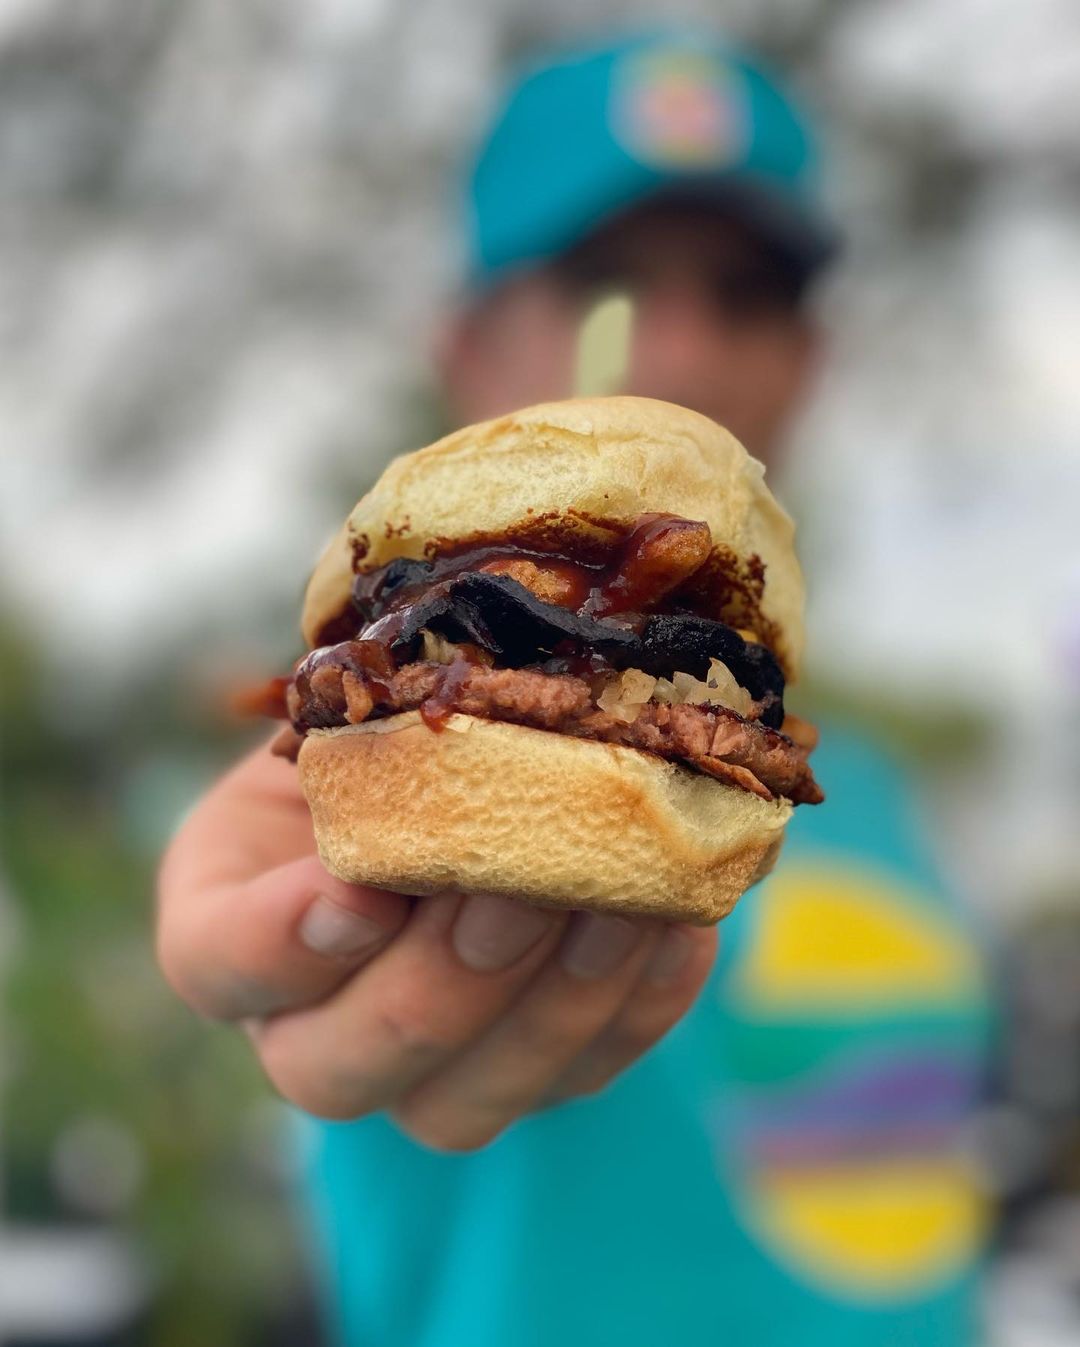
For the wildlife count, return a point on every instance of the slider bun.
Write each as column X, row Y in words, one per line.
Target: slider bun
column 601, row 458
column 490, row 807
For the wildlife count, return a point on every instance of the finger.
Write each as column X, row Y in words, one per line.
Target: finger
column 286, row 938
column 248, row 920
column 666, row 989
column 454, row 969
column 509, row 1070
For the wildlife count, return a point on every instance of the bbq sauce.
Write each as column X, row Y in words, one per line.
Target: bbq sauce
column 660, row 553
column 367, row 656
column 575, row 579
column 663, row 563
column 437, row 709
column 657, row 555
column 370, row 660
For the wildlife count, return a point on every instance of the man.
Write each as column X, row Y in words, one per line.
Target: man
column 510, row 1167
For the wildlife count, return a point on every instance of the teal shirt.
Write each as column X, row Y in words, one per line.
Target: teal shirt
column 782, row 1169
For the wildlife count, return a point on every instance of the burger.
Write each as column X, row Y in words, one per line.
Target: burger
column 547, row 660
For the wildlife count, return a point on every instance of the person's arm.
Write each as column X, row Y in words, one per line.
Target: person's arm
column 457, row 1015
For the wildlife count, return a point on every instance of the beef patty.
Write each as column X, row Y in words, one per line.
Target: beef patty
column 712, row 739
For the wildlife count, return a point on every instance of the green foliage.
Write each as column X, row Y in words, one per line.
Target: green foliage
column 92, row 1031
column 948, row 736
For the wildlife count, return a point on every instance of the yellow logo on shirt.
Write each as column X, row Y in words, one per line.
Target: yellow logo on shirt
column 849, row 1162
column 884, row 1226
column 841, row 939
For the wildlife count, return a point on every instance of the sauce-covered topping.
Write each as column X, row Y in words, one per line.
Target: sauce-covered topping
column 553, row 578
column 659, row 554
column 660, row 563
column 371, row 659
column 657, row 596
column 369, row 656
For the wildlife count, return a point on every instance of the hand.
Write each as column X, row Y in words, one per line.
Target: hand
column 456, row 1015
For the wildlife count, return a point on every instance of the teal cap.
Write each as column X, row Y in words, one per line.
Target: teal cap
column 589, row 133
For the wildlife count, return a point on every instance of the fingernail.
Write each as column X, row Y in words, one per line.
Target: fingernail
column 328, row 928
column 596, row 945
column 492, row 933
column 669, row 958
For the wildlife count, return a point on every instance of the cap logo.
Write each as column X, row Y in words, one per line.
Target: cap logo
column 678, row 108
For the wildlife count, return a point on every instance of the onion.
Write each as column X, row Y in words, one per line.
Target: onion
column 624, row 696
column 724, row 689
column 665, row 692
column 436, row 649
column 689, row 689
column 719, row 689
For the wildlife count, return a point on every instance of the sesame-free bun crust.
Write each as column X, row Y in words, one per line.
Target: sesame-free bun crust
column 587, row 459
column 490, row 807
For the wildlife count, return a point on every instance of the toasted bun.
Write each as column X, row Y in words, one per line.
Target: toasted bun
column 608, row 459
column 489, row 807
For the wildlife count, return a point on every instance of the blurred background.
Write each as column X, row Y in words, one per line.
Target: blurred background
column 227, row 233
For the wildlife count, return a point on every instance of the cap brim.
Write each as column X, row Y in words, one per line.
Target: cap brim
column 799, row 233
column 800, row 236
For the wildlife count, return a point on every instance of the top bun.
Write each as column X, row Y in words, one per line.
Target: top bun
column 585, row 459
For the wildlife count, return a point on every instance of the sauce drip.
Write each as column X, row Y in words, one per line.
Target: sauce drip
column 437, row 709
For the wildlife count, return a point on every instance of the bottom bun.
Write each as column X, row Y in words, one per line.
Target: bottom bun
column 490, row 807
